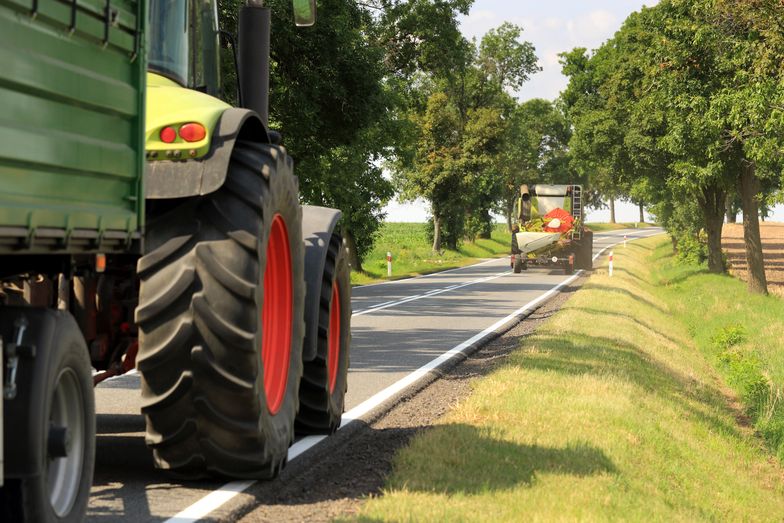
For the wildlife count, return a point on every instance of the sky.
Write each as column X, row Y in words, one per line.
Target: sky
column 552, row 26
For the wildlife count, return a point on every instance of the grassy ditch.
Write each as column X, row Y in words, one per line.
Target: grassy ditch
column 412, row 252
column 615, row 409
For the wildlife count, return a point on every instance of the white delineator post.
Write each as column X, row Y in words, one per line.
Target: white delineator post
column 389, row 264
column 624, row 240
column 611, row 263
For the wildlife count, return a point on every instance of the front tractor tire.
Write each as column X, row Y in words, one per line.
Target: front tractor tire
column 325, row 379
column 220, row 321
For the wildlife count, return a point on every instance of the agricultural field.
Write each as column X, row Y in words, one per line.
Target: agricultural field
column 651, row 395
column 773, row 248
column 412, row 252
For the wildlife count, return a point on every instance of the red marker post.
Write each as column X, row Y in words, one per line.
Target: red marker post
column 624, row 240
column 389, row 264
column 611, row 263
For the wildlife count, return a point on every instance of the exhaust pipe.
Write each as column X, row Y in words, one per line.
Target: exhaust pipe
column 525, row 203
column 254, row 58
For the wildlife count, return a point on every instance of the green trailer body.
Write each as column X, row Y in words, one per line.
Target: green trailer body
column 71, row 126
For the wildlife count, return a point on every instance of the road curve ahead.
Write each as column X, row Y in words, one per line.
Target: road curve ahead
column 401, row 331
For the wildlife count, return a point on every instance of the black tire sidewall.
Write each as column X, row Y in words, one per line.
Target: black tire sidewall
column 343, row 281
column 66, row 349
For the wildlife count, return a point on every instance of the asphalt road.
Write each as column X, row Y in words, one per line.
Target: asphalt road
column 398, row 327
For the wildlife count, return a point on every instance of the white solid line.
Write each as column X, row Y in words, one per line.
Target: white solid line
column 430, row 294
column 406, row 280
column 210, row 502
column 215, row 499
column 380, row 397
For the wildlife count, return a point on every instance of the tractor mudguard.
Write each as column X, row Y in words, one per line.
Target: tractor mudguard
column 318, row 224
column 181, row 179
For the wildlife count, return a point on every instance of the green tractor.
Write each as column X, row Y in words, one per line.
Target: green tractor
column 145, row 223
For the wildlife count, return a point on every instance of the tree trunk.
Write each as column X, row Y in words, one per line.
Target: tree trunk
column 436, row 233
column 351, row 246
column 749, row 191
column 642, row 213
column 508, row 211
column 732, row 216
column 487, row 226
column 612, row 210
column 712, row 203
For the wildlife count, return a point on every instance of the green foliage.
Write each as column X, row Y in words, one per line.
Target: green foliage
column 459, row 116
column 741, row 332
column 743, row 368
column 330, row 101
column 676, row 105
column 728, row 337
column 535, row 150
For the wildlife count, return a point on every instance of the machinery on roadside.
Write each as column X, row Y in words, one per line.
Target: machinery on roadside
column 550, row 229
column 145, row 223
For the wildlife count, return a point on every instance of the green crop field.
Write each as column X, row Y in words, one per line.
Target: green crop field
column 412, row 253
column 600, row 227
column 642, row 399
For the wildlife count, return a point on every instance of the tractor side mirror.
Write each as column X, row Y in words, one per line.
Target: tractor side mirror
column 304, row 12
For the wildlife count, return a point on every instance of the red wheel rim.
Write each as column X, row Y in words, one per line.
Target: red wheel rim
column 333, row 355
column 276, row 317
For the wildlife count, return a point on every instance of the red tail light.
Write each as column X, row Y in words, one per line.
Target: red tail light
column 168, row 135
column 192, row 132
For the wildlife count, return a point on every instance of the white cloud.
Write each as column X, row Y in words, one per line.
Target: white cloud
column 552, row 28
column 593, row 29
column 478, row 22
column 553, row 23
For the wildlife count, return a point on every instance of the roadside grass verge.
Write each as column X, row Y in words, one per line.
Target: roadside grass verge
column 740, row 333
column 613, row 410
column 412, row 254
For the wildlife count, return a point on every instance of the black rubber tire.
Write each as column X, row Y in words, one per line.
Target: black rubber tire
column 61, row 358
column 518, row 265
column 321, row 408
column 583, row 256
column 200, row 304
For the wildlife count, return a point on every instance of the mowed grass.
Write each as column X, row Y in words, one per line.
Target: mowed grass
column 412, row 252
column 611, row 411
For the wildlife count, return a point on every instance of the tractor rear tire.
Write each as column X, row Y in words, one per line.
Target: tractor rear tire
column 324, row 382
column 220, row 322
column 518, row 265
column 583, row 255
